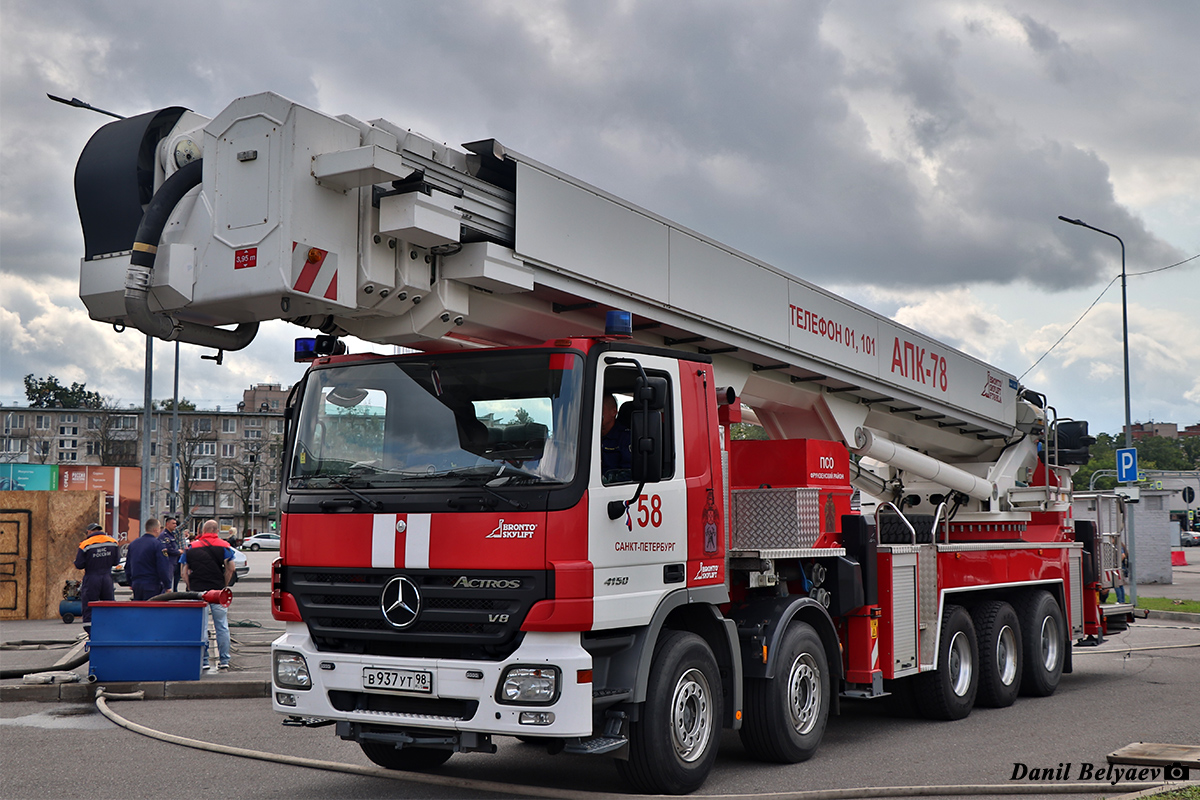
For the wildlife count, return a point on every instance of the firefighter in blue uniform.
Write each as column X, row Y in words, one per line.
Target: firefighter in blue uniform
column 96, row 556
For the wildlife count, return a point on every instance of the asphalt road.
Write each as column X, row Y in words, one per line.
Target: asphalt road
column 1118, row 694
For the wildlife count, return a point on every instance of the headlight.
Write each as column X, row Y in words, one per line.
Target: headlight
column 528, row 686
column 291, row 671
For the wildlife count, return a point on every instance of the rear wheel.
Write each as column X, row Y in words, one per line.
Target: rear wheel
column 255, row 547
column 998, row 633
column 1043, row 632
column 408, row 758
column 786, row 715
column 949, row 691
column 673, row 745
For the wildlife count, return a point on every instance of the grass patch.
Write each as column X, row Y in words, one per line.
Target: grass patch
column 1184, row 793
column 1168, row 604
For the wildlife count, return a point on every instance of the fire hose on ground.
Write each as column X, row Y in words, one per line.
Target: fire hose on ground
column 102, row 698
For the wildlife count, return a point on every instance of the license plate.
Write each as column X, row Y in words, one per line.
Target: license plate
column 397, row 680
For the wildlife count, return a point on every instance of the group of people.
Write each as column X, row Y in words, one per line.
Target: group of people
column 155, row 563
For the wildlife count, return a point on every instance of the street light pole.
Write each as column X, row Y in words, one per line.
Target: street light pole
column 1124, row 320
column 1128, row 416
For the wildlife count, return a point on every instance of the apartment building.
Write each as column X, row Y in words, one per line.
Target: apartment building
column 228, row 461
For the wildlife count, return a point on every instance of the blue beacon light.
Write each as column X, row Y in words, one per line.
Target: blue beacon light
column 618, row 323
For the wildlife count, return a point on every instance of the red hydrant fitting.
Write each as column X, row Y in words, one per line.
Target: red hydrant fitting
column 222, row 596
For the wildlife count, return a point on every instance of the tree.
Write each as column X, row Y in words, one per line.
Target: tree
column 194, row 452
column 1191, row 451
column 249, row 477
column 1154, row 452
column 168, row 404
column 112, row 435
column 747, row 430
column 243, row 477
column 49, row 393
column 1103, row 456
column 1157, row 452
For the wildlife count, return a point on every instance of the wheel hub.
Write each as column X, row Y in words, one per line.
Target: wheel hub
column 1006, row 656
column 959, row 664
column 1049, row 643
column 804, row 693
column 691, row 715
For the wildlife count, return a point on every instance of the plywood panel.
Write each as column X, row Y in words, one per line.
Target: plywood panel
column 43, row 531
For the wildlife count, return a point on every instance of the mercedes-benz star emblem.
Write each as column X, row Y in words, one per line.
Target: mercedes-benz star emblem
column 400, row 602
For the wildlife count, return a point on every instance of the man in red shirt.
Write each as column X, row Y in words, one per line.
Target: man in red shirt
column 208, row 564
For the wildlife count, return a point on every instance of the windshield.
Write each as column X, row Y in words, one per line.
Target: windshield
column 499, row 419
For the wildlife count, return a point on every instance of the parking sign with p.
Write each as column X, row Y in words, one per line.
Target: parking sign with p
column 1127, row 469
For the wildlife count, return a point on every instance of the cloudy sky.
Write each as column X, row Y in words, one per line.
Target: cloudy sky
column 913, row 157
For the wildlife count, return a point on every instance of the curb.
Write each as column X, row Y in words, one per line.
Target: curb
column 1174, row 616
column 154, row 690
column 1166, row 787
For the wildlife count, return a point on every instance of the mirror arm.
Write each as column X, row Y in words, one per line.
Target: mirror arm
column 618, row 507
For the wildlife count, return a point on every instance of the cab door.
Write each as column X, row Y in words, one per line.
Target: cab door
column 641, row 555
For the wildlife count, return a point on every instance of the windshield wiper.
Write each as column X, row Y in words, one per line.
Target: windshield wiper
column 371, row 503
column 517, row 504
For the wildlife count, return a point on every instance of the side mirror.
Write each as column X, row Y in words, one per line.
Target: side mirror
column 646, row 442
column 647, row 429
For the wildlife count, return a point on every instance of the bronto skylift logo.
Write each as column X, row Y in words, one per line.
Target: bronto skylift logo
column 513, row 530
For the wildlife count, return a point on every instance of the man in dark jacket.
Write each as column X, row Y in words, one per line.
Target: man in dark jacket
column 208, row 564
column 173, row 546
column 96, row 556
column 146, row 564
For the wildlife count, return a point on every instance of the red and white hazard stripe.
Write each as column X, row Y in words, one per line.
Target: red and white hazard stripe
column 314, row 271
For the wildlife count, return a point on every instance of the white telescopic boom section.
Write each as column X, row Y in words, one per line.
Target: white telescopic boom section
column 869, row 444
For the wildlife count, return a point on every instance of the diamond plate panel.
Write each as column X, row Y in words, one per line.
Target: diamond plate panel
column 927, row 583
column 775, row 518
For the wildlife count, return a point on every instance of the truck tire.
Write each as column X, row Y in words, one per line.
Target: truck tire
column 949, row 691
column 673, row 745
column 408, row 758
column 1043, row 632
column 786, row 715
column 892, row 529
column 998, row 634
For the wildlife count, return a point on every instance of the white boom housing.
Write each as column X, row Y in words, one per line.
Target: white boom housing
column 371, row 230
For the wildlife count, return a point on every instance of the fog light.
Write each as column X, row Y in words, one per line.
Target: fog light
column 528, row 686
column 291, row 671
column 285, row 699
column 537, row 718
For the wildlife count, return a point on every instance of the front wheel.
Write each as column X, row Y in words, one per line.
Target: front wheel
column 408, row 758
column 949, row 691
column 1044, row 635
column 673, row 745
column 786, row 715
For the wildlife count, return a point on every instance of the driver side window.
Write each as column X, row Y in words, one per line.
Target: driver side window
column 615, row 442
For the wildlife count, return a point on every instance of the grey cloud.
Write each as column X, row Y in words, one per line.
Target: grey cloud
column 1057, row 55
column 640, row 102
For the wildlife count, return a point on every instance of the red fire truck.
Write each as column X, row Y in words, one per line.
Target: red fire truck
column 541, row 520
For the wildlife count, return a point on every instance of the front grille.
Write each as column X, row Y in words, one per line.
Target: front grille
column 466, row 602
column 446, row 708
column 456, row 619
column 343, row 600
